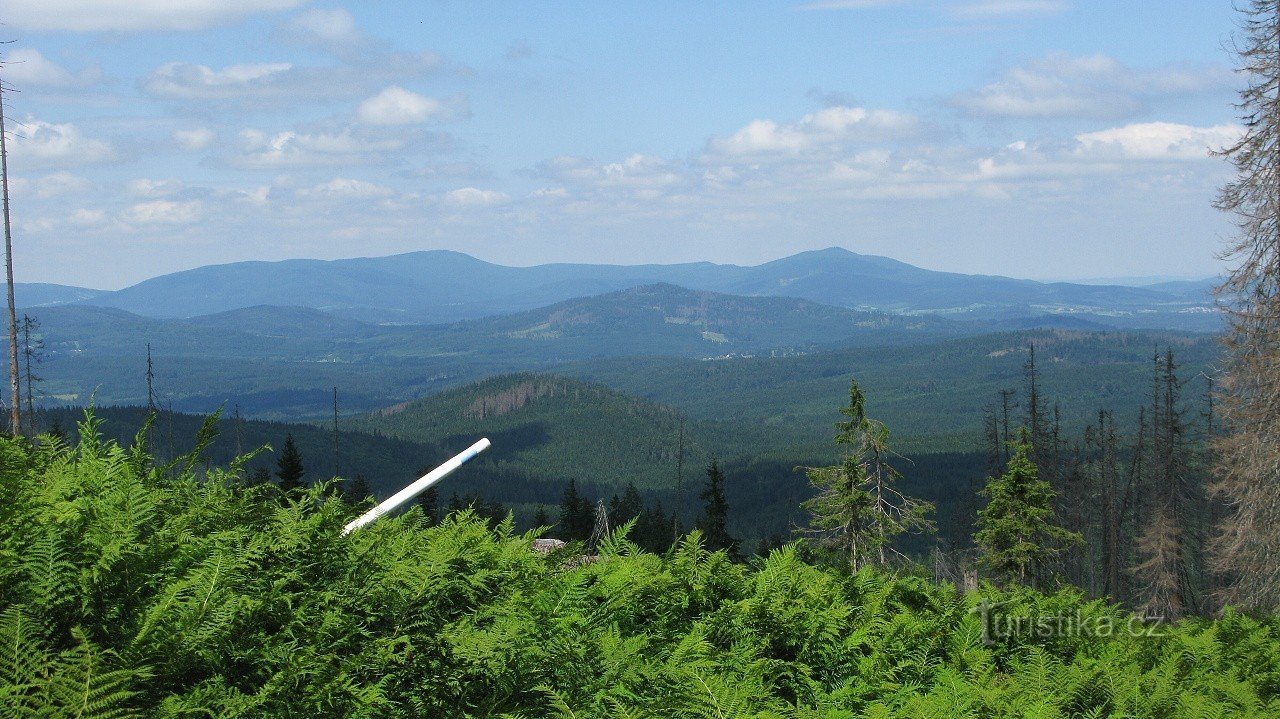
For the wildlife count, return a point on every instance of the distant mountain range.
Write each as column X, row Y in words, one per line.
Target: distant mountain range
column 440, row 286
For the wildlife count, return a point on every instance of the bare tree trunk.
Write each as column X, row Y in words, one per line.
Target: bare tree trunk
column 15, row 414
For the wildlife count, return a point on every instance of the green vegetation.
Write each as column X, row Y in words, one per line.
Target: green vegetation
column 858, row 510
column 1016, row 534
column 128, row 589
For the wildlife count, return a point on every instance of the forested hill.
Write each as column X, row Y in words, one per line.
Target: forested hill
column 664, row 319
column 933, row 397
column 564, row 428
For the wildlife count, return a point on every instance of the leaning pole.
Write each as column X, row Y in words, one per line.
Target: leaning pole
column 418, row 487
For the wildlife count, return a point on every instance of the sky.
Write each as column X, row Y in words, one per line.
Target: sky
column 1047, row 139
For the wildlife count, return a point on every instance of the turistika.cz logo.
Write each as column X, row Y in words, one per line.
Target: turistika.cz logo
column 998, row 625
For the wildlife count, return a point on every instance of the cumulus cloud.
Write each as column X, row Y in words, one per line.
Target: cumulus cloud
column 146, row 187
column 341, row 187
column 49, row 186
column 178, row 80
column 281, row 83
column 290, row 149
column 45, row 144
column 1134, row 150
column 1096, row 86
column 195, row 139
column 164, row 212
column 83, row 217
column 27, row 67
column 398, row 106
column 133, row 15
column 637, row 171
column 827, row 127
column 332, row 25
column 465, row 197
column 1159, row 141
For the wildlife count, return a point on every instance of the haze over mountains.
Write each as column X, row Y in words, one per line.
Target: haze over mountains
column 441, row 286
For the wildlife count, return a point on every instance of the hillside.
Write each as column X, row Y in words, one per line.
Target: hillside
column 44, row 294
column 932, row 396
column 664, row 319
column 287, row 350
column 555, row 427
column 440, row 286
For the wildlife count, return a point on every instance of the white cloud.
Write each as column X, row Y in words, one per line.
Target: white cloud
column 1159, row 141
column 49, row 186
column 333, row 25
column 164, row 212
column 341, row 187
column 195, row 139
column 271, row 85
column 184, row 81
column 637, row 176
column 1095, row 86
column 86, row 218
column 830, row 126
column 133, row 15
column 398, row 106
column 46, row 144
column 289, row 149
column 474, row 197
column 1001, row 8
column 146, row 187
column 26, row 67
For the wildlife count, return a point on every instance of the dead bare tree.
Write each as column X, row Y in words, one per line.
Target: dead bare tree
column 1248, row 469
column 15, row 392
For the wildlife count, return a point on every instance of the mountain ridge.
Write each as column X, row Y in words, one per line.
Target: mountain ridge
column 440, row 286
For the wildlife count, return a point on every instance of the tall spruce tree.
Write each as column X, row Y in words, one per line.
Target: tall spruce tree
column 1248, row 469
column 858, row 511
column 289, row 467
column 715, row 515
column 653, row 529
column 358, row 491
column 1017, row 535
column 577, row 514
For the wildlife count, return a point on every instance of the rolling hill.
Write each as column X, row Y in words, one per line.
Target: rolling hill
column 291, row 356
column 440, row 286
column 43, row 294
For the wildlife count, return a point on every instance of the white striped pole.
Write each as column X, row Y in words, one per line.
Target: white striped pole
column 418, row 487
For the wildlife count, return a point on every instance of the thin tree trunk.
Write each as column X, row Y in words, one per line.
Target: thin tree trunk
column 15, row 414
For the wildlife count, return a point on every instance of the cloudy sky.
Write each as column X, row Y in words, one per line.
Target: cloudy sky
column 1034, row 138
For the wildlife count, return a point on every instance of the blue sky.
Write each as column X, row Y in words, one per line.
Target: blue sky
column 1035, row 138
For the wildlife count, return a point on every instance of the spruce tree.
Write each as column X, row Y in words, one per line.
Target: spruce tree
column 577, row 514
column 715, row 517
column 430, row 503
column 858, row 511
column 259, row 475
column 653, row 529
column 289, row 467
column 626, row 508
column 358, row 491
column 1017, row 536
column 540, row 518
